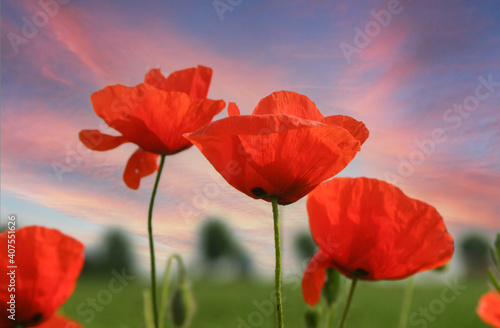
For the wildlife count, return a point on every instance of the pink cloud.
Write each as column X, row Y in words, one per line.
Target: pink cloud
column 94, row 48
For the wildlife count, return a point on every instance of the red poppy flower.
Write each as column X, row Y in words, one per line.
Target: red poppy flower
column 154, row 115
column 47, row 265
column 284, row 149
column 371, row 229
column 489, row 309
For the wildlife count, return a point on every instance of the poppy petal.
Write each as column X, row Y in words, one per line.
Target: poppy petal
column 356, row 128
column 489, row 309
column 289, row 103
column 192, row 81
column 48, row 265
column 232, row 109
column 370, row 225
column 155, row 78
column 263, row 155
column 141, row 164
column 58, row 321
column 122, row 108
column 314, row 278
column 151, row 118
column 95, row 140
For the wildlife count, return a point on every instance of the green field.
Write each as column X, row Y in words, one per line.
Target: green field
column 247, row 304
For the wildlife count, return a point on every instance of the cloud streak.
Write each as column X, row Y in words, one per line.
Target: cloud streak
column 426, row 60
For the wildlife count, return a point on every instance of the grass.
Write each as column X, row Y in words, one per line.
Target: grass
column 107, row 303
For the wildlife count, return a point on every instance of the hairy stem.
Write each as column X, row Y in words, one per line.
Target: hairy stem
column 277, row 272
column 151, row 242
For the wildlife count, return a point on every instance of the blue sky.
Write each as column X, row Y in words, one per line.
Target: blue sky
column 402, row 82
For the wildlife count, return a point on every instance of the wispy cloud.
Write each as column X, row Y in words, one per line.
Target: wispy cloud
column 400, row 85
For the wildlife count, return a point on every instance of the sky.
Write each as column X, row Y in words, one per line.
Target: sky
column 424, row 76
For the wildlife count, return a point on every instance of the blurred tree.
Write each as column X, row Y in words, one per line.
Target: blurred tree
column 216, row 241
column 114, row 253
column 304, row 245
column 118, row 252
column 475, row 253
column 218, row 247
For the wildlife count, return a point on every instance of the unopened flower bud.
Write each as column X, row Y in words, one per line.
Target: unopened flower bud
column 331, row 289
column 312, row 316
column 181, row 306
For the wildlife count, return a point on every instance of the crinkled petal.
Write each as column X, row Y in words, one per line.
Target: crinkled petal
column 125, row 109
column 370, row 225
column 153, row 119
column 48, row 265
column 314, row 278
column 192, row 81
column 264, row 155
column 95, row 140
column 232, row 109
column 489, row 309
column 141, row 164
column 59, row 321
column 356, row 128
column 155, row 78
column 289, row 103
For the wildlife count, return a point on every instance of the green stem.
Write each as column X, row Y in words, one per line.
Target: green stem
column 277, row 272
column 349, row 300
column 151, row 242
column 330, row 315
column 148, row 315
column 405, row 310
column 166, row 285
column 494, row 280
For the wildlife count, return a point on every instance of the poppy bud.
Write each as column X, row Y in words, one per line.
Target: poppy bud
column 181, row 306
column 312, row 316
column 331, row 289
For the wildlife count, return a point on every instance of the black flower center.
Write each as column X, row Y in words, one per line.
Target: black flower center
column 360, row 273
column 37, row 318
column 259, row 192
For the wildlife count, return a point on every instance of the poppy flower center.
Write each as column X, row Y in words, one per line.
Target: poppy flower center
column 259, row 192
column 360, row 273
column 36, row 319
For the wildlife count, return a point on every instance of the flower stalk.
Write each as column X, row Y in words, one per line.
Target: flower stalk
column 349, row 300
column 405, row 310
column 166, row 285
column 277, row 272
column 151, row 243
